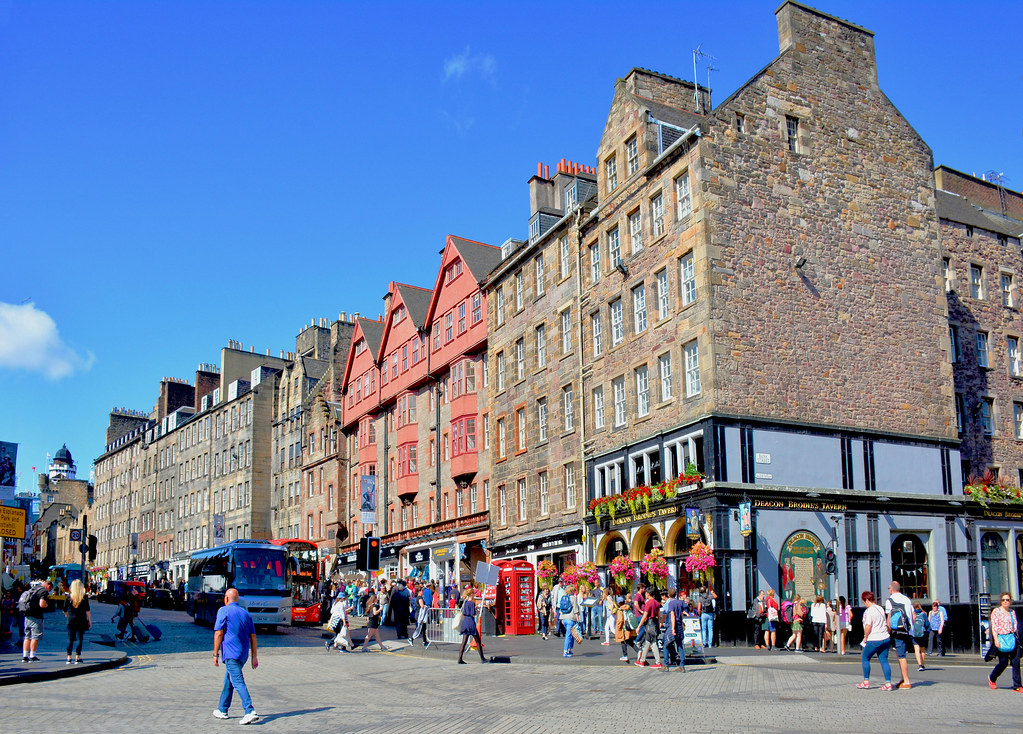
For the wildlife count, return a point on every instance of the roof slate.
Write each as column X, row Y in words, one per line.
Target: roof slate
column 417, row 302
column 956, row 208
column 373, row 331
column 479, row 258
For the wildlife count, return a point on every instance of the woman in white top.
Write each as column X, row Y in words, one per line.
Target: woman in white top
column 876, row 641
column 610, row 608
column 819, row 618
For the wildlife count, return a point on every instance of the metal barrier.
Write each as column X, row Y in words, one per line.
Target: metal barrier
column 440, row 626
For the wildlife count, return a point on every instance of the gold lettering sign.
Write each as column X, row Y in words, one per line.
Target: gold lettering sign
column 801, row 505
column 662, row 512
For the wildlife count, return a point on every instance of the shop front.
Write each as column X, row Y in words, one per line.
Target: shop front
column 564, row 548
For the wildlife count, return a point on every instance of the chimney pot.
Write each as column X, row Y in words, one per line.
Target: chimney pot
column 539, row 169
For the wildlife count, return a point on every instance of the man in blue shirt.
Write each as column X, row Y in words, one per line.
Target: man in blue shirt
column 233, row 634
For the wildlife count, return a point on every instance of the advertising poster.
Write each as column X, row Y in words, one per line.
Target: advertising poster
column 693, row 522
column 218, row 530
column 745, row 519
column 8, row 477
column 134, row 544
column 368, row 505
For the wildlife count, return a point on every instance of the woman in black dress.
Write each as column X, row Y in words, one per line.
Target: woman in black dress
column 79, row 618
column 468, row 628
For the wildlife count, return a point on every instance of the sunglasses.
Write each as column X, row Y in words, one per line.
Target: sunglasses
column 1007, row 599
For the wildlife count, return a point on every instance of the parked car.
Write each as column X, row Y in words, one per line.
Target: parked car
column 116, row 589
column 160, row 599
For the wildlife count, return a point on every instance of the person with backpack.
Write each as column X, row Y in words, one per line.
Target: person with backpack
column 921, row 628
column 32, row 603
column 626, row 623
column 650, row 621
column 568, row 615
column 770, row 625
column 899, row 609
column 756, row 615
column 674, row 647
column 556, row 594
column 797, row 613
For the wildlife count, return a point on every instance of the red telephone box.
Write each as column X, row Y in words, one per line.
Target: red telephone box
column 516, row 593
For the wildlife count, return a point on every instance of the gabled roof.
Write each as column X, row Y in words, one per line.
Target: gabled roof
column 372, row 331
column 479, row 258
column 55, row 511
column 417, row 302
column 369, row 330
column 956, row 208
column 314, row 368
column 664, row 113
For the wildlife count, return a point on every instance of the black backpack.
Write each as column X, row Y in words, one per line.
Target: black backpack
column 899, row 618
column 25, row 601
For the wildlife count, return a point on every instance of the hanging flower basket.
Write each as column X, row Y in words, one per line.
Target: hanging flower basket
column 655, row 566
column 700, row 562
column 622, row 571
column 546, row 572
column 588, row 577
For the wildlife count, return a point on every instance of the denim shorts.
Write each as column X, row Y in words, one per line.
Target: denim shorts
column 900, row 645
column 33, row 628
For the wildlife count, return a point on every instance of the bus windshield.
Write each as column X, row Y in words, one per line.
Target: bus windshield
column 257, row 569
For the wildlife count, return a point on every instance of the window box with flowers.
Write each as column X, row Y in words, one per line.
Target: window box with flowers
column 642, row 498
column 991, row 490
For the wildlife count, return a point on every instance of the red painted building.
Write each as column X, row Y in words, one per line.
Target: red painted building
column 413, row 391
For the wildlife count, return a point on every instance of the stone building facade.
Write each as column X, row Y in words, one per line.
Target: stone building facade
column 537, row 333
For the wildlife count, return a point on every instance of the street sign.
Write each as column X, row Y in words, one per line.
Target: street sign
column 12, row 522
column 75, row 535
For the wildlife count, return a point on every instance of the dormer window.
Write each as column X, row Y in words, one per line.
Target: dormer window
column 398, row 315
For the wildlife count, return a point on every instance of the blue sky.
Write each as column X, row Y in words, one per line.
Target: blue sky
column 177, row 174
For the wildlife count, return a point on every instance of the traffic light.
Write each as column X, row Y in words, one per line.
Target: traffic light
column 93, row 542
column 373, row 554
column 360, row 555
column 830, row 564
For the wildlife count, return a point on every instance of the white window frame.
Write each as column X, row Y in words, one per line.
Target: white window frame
column 500, row 371
column 520, row 290
column 620, row 397
column 639, row 308
column 691, row 350
column 987, row 413
column 607, row 478
column 569, row 476
column 523, row 490
column 595, row 262
column 568, row 407
column 982, row 349
column 647, row 454
column 683, row 196
column 664, row 373
column 566, row 331
column 598, row 407
column 520, row 359
column 636, row 231
column 541, row 346
column 541, row 285
column 499, row 306
column 678, row 452
column 663, row 303
column 545, row 493
column 565, row 255
column 1012, row 344
column 977, row 282
column 1008, row 286
column 617, row 324
column 631, row 155
column 597, row 329
column 541, row 418
column 687, row 275
column 642, row 379
column 614, row 247
column 611, row 172
column 1017, row 419
column 657, row 215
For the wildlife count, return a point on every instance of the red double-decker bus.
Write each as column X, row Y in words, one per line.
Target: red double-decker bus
column 303, row 579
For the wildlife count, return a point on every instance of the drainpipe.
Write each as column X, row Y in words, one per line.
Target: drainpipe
column 582, row 411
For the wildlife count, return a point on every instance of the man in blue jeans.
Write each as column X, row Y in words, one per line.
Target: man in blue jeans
column 234, row 633
column 707, row 608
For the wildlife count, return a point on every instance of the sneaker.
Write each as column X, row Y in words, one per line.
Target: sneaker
column 992, row 685
column 427, row 645
column 34, row 659
column 566, row 654
column 218, row 714
column 639, row 664
column 656, row 665
column 67, row 662
column 249, row 718
column 326, row 645
column 920, row 668
column 409, row 640
column 78, row 660
column 605, row 643
column 624, row 658
column 24, row 659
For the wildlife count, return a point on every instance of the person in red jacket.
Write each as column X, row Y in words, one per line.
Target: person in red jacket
column 770, row 625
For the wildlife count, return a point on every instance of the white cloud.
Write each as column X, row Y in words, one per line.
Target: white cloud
column 456, row 67
column 29, row 340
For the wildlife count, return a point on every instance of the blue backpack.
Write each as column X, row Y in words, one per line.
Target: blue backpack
column 565, row 605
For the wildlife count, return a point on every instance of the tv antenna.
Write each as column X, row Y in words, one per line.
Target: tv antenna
column 998, row 179
column 697, row 54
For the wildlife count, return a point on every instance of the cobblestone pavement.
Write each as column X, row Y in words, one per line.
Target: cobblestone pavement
column 300, row 688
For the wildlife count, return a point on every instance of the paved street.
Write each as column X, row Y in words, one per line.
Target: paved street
column 172, row 685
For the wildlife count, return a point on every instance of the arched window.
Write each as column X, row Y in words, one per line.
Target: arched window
column 996, row 567
column 909, row 566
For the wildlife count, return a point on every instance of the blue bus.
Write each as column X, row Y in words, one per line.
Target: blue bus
column 256, row 568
